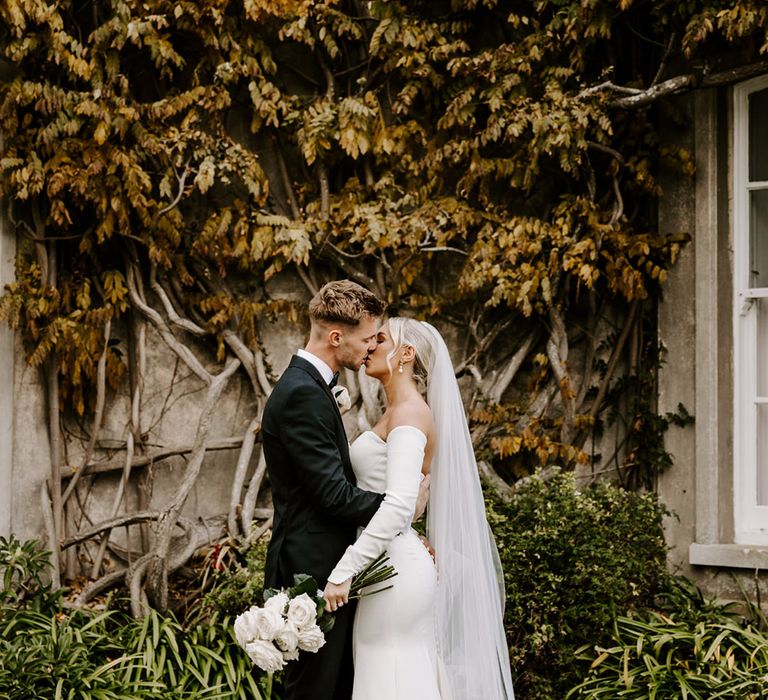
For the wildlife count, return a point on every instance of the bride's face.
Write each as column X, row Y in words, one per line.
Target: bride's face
column 376, row 364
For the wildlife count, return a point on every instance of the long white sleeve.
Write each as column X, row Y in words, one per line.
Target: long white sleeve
column 405, row 456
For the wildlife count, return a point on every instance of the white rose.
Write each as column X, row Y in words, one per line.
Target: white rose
column 287, row 639
column 246, row 628
column 291, row 655
column 343, row 400
column 265, row 655
column 277, row 602
column 268, row 622
column 311, row 638
column 302, row 611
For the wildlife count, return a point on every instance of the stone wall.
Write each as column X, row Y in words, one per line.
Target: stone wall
column 7, row 253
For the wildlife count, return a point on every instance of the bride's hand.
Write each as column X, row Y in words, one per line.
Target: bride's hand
column 337, row 594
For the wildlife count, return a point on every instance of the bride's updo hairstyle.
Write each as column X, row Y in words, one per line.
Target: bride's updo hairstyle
column 408, row 331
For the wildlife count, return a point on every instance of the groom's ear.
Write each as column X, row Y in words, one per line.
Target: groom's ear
column 334, row 337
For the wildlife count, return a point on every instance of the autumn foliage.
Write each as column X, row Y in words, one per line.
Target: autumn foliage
column 492, row 165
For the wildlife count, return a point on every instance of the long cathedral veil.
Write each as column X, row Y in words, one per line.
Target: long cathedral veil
column 469, row 605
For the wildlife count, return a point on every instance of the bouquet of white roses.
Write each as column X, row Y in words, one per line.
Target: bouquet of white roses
column 294, row 619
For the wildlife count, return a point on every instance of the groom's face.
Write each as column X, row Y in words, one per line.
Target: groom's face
column 357, row 342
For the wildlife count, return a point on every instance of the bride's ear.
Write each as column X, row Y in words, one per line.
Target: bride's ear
column 407, row 354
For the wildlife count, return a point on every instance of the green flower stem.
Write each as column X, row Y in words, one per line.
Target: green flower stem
column 376, row 572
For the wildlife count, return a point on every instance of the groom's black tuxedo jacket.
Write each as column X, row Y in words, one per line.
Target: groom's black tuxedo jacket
column 317, row 505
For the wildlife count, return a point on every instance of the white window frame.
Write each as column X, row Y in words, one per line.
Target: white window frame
column 750, row 519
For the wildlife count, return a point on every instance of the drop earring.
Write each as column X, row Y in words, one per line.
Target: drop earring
column 400, row 368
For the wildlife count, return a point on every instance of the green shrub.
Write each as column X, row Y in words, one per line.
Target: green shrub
column 23, row 567
column 570, row 558
column 200, row 661
column 50, row 653
column 235, row 591
column 696, row 649
column 44, row 651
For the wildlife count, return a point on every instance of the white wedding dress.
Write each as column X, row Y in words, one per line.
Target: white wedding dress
column 395, row 653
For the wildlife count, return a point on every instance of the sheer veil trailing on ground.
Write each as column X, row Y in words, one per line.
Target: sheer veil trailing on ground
column 469, row 604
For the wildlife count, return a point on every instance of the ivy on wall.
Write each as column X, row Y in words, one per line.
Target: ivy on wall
column 491, row 164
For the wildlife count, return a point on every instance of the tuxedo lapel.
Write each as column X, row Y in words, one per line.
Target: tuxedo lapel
column 312, row 371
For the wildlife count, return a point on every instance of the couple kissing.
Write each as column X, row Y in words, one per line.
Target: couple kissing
column 437, row 633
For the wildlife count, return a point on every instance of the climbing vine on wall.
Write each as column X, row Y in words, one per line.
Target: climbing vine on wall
column 491, row 165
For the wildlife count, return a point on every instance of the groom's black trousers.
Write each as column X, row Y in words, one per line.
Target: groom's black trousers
column 328, row 674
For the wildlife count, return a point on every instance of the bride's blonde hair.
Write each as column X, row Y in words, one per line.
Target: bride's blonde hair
column 408, row 331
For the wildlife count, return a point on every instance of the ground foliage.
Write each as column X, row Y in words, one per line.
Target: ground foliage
column 494, row 165
column 50, row 652
column 687, row 647
column 573, row 560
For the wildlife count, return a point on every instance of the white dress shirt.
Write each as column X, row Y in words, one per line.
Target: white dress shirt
column 325, row 371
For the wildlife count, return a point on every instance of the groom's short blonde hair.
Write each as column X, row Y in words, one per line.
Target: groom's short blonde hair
column 344, row 302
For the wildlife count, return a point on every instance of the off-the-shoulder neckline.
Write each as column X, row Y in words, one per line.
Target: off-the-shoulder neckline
column 397, row 427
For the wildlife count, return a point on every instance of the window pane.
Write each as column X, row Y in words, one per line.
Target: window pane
column 758, row 238
column 762, row 347
column 762, row 454
column 758, row 136
column 761, row 354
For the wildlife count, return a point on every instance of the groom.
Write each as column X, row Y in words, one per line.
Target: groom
column 318, row 508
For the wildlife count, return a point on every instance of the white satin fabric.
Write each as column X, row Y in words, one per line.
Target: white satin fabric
column 394, row 631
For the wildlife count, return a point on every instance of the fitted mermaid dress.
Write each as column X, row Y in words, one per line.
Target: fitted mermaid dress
column 394, row 646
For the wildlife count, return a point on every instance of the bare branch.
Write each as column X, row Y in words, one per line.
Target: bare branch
column 287, row 181
column 261, row 372
column 243, row 460
column 664, row 59
column 133, row 578
column 589, row 355
column 496, row 385
column 184, row 353
column 502, row 488
column 311, row 287
column 50, row 531
column 655, row 92
column 557, row 352
column 734, row 75
column 257, row 534
column 325, row 196
column 158, row 576
column 181, row 180
column 244, row 354
column 618, row 207
column 119, row 493
column 230, row 443
column 176, row 320
column 247, row 513
column 98, row 414
column 606, row 149
column 443, row 249
column 609, row 86
column 119, row 521
column 102, row 584
column 634, row 98
column 614, row 359
column 360, row 277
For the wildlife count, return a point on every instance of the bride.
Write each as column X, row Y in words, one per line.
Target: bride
column 437, row 634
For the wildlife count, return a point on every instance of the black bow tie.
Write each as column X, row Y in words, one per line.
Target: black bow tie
column 334, row 381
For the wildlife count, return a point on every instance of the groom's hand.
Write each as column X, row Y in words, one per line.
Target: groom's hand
column 428, row 546
column 422, row 498
column 337, row 594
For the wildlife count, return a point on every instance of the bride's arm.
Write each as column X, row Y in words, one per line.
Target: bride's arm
column 405, row 456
